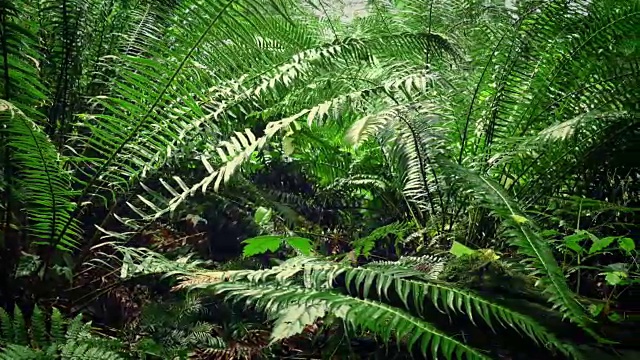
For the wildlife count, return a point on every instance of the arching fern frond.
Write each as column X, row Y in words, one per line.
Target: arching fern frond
column 397, row 297
column 526, row 238
column 242, row 145
column 382, row 319
column 43, row 184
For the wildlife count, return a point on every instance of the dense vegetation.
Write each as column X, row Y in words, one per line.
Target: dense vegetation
column 243, row 179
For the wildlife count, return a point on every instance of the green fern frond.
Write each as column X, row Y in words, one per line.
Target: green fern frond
column 34, row 342
column 385, row 320
column 20, row 330
column 21, row 352
column 411, row 285
column 528, row 241
column 20, row 61
column 431, row 266
column 6, row 324
column 364, row 245
column 373, row 124
column 44, row 185
column 242, row 146
column 39, row 336
column 58, row 324
column 235, row 155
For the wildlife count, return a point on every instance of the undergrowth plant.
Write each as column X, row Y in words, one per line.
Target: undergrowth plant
column 196, row 326
column 54, row 339
column 401, row 302
column 475, row 122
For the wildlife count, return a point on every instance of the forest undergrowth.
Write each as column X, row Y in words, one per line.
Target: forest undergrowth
column 266, row 179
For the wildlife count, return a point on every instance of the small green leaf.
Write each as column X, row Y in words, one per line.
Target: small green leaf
column 519, row 219
column 626, row 244
column 261, row 244
column 573, row 242
column 615, row 277
column 596, row 309
column 601, row 244
column 615, row 317
column 303, row 245
column 458, row 249
column 262, row 216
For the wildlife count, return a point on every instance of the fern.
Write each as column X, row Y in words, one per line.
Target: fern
column 19, row 341
column 369, row 302
column 537, row 250
column 364, row 245
column 44, row 185
column 430, row 265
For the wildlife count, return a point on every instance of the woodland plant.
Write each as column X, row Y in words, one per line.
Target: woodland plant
column 472, row 138
column 99, row 96
column 53, row 339
column 196, row 326
column 404, row 300
column 454, row 120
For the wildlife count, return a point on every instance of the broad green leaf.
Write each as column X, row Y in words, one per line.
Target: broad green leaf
column 626, row 244
column 458, row 249
column 303, row 245
column 601, row 244
column 261, row 244
column 573, row 242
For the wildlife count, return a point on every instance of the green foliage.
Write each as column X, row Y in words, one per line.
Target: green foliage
column 464, row 135
column 176, row 328
column 458, row 250
column 364, row 245
column 44, row 188
column 271, row 243
column 390, row 300
column 582, row 247
column 262, row 216
column 455, row 120
column 34, row 342
column 292, row 320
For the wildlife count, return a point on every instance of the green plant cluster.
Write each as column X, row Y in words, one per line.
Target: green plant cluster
column 418, row 176
column 53, row 339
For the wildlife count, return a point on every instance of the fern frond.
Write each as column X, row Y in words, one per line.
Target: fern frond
column 242, row 145
column 385, row 320
column 20, row 330
column 410, row 284
column 77, row 342
column 365, row 244
column 20, row 60
column 6, row 324
column 43, row 183
column 430, row 265
column 528, row 241
column 19, row 352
